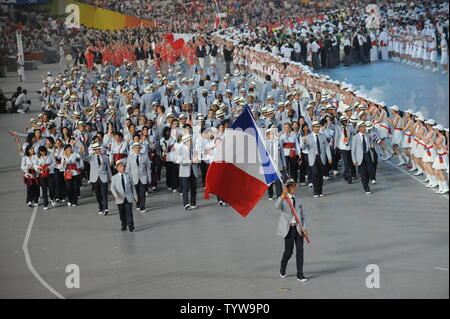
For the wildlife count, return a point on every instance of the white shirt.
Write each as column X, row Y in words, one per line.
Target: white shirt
column 342, row 145
column 292, row 220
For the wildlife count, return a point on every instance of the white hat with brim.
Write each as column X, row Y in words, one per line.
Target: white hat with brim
column 315, row 123
column 185, row 138
column 394, row 108
column 360, row 124
column 96, row 146
column 122, row 161
column 136, row 144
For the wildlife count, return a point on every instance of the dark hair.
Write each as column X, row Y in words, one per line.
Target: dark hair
column 119, row 134
column 51, row 139
column 27, row 150
column 67, row 146
column 30, row 136
column 166, row 131
column 42, row 148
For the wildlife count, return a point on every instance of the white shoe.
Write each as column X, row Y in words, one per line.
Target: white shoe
column 316, row 196
column 310, row 185
column 445, row 191
column 30, row 204
column 412, row 169
column 169, row 189
column 69, row 204
column 187, row 207
column 138, row 209
column 426, row 180
column 53, row 202
column 74, row 205
column 100, row 213
column 418, row 173
column 374, row 182
column 270, row 198
column 174, row 191
column 335, row 173
column 303, row 184
column 368, row 193
column 192, row 207
column 181, row 194
column 20, row 111
column 143, row 211
column 154, row 188
column 325, row 178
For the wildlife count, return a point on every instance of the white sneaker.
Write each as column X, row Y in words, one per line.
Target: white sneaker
column 36, row 204
column 74, row 205
column 100, row 213
column 174, row 191
column 20, row 111
column 154, row 188
column 374, row 182
column 192, row 207
column 310, row 185
column 303, row 184
column 369, row 192
column 143, row 211
column 316, row 196
column 335, row 173
column 53, row 202
column 325, row 178
column 138, row 209
column 270, row 198
column 169, row 189
column 69, row 204
column 418, row 173
column 30, row 204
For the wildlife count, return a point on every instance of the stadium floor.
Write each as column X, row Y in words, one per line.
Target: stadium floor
column 213, row 252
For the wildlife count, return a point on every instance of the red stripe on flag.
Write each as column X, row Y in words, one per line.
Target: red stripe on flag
column 239, row 189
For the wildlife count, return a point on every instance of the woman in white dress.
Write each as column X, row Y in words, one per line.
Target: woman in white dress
column 397, row 135
column 440, row 164
column 380, row 122
column 407, row 142
column 429, row 153
column 418, row 132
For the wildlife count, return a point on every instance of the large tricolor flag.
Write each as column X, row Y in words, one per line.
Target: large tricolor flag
column 241, row 169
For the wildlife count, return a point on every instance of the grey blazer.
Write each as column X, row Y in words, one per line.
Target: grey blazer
column 142, row 173
column 357, row 148
column 338, row 133
column 103, row 171
column 116, row 188
column 311, row 146
column 285, row 218
column 185, row 163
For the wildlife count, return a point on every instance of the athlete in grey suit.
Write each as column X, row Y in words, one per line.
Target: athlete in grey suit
column 290, row 230
column 139, row 168
column 99, row 176
column 318, row 153
column 124, row 192
column 362, row 155
column 188, row 173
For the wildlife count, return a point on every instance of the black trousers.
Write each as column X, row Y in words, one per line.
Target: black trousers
column 347, row 159
column 156, row 171
column 126, row 213
column 204, row 169
column 305, row 169
column 72, row 187
column 292, row 167
column 373, row 177
column 278, row 190
column 48, row 186
column 33, row 192
column 171, row 175
column 317, row 176
column 189, row 185
column 365, row 170
column 101, row 193
column 60, row 187
column 140, row 190
column 293, row 237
